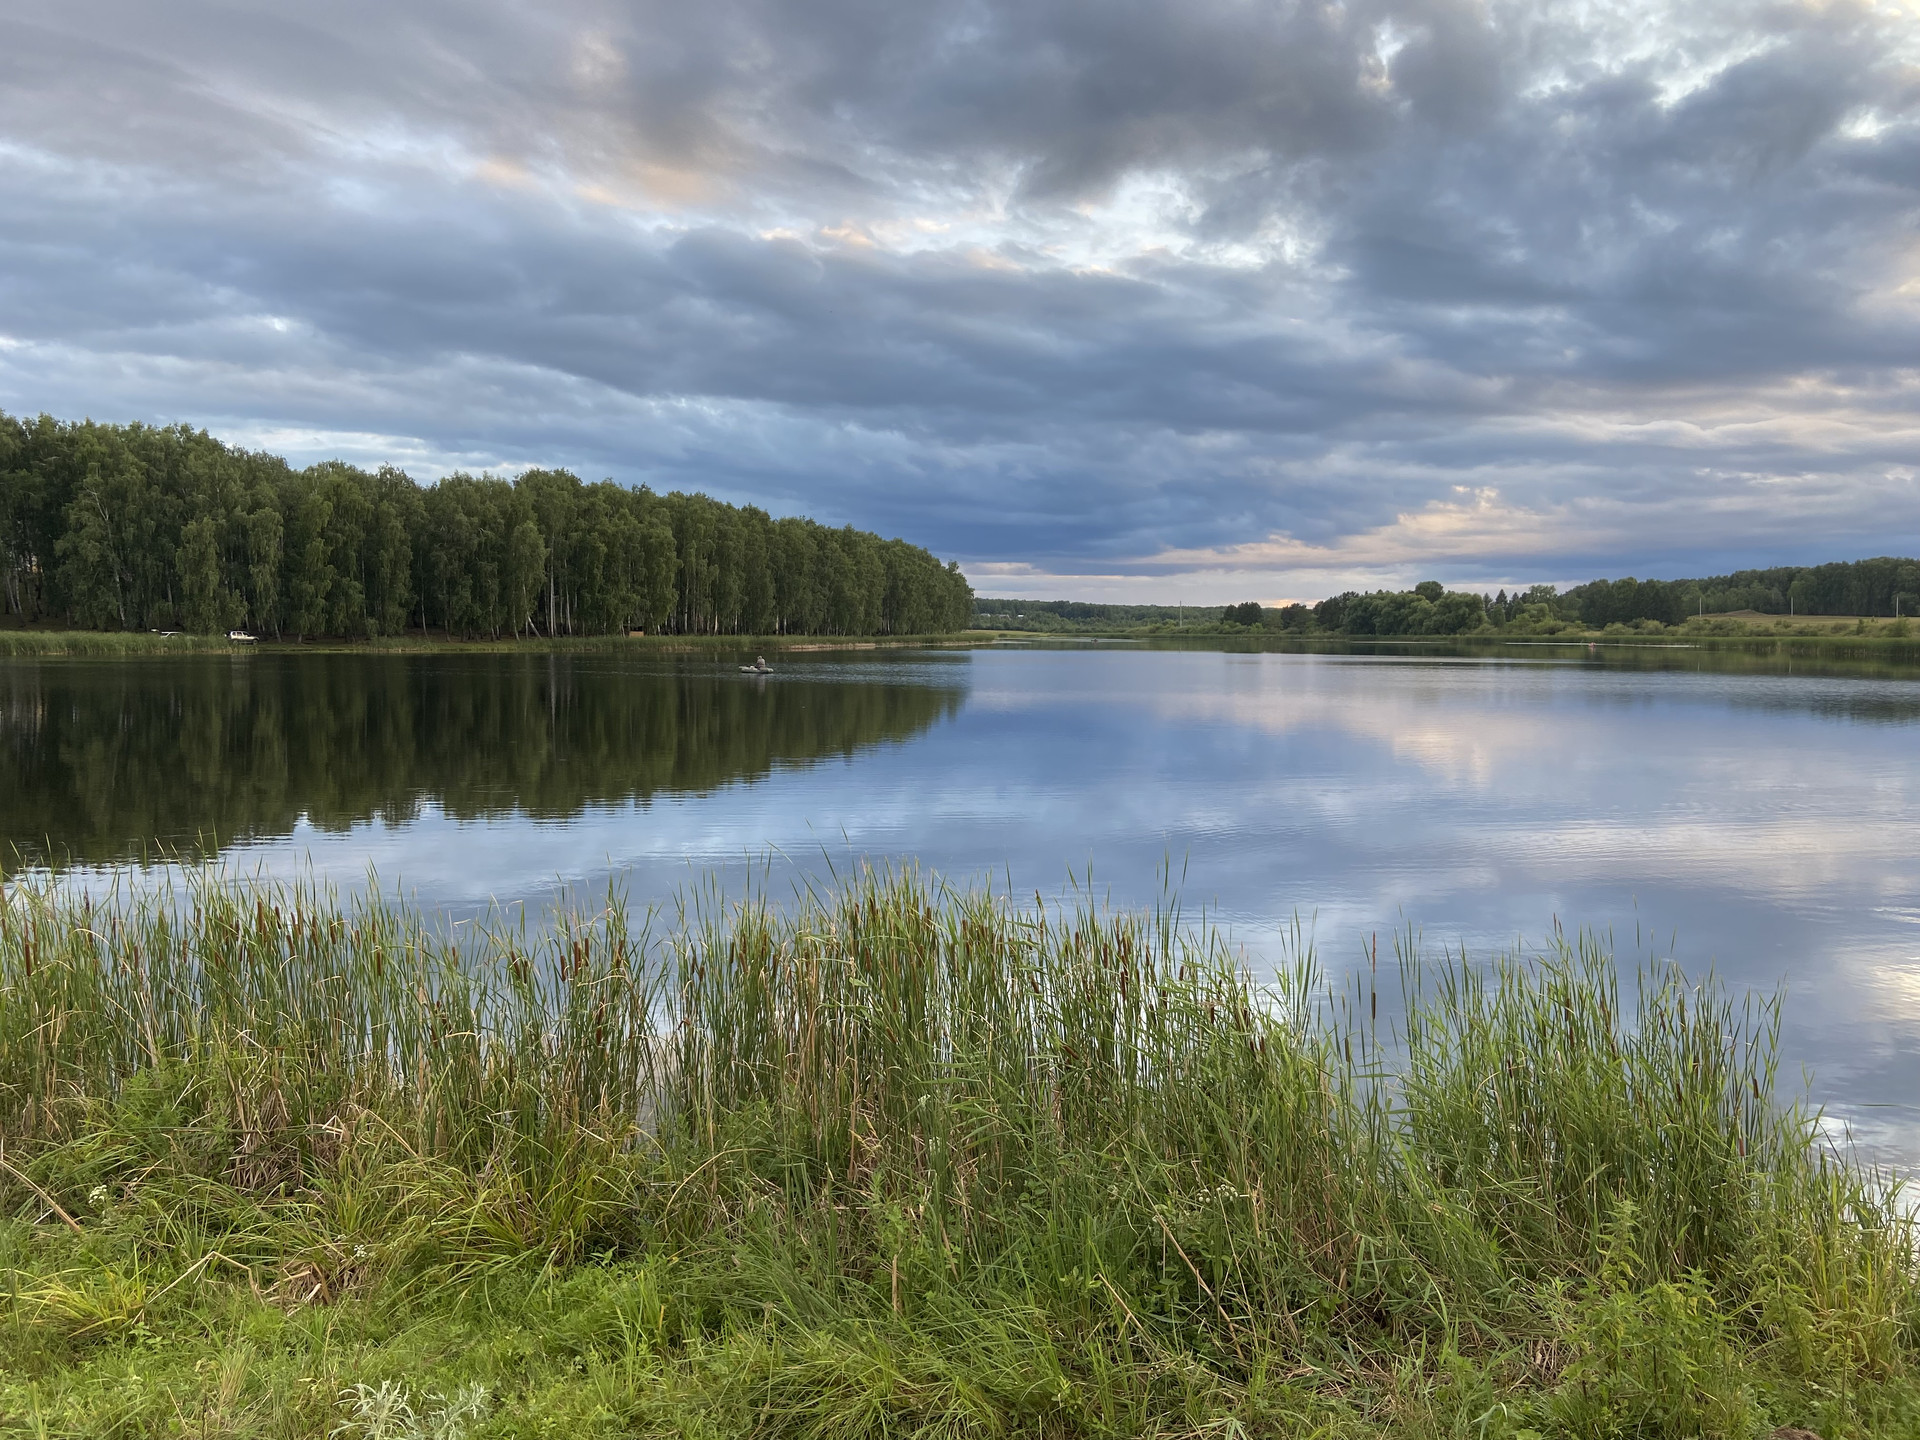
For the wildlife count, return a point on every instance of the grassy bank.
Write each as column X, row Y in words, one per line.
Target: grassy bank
column 1881, row 641
column 1817, row 630
column 107, row 644
column 899, row 1162
column 1876, row 637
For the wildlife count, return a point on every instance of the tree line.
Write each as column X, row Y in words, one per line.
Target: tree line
column 1884, row 586
column 1070, row 616
column 1427, row 609
column 137, row 527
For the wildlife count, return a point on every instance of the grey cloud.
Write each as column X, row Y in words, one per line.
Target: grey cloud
column 1505, row 232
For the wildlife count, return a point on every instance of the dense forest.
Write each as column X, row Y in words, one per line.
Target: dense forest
column 133, row 527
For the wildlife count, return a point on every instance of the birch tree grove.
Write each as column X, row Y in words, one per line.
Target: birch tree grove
column 132, row 527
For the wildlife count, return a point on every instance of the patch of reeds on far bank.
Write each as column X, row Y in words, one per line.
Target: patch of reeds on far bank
column 900, row 1160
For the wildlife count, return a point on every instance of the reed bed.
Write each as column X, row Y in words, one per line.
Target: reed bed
column 908, row 1160
column 106, row 644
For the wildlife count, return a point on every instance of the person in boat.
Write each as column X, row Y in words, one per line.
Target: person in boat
column 759, row 666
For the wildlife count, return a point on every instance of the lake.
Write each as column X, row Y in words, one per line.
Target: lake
column 1733, row 812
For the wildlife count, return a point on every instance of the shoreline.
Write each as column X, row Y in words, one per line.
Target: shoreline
column 109, row 644
column 1677, row 639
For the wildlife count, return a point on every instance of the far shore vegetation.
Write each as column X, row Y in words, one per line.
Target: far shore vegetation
column 150, row 538
column 1862, row 635
column 41, row 641
column 134, row 529
column 1859, row 599
column 901, row 1160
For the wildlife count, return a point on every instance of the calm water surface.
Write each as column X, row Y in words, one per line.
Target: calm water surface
column 1759, row 820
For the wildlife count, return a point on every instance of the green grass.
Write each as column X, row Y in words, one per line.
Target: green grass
column 106, row 644
column 900, row 1161
column 118, row 643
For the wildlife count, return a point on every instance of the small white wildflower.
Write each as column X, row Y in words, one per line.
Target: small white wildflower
column 97, row 1195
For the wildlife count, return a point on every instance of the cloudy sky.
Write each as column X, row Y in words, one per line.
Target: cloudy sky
column 1155, row 299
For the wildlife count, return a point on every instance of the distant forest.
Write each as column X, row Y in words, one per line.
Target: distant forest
column 1881, row 586
column 1887, row 586
column 1069, row 616
column 133, row 527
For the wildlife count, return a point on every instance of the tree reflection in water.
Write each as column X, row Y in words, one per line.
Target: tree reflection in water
column 108, row 762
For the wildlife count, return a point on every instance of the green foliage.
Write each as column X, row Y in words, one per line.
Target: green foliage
column 1885, row 586
column 116, row 644
column 1425, row 610
column 1652, row 1360
column 901, row 1160
column 1882, row 587
column 136, row 528
column 1087, row 616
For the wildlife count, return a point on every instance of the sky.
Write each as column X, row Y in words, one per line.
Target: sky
column 1150, row 300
